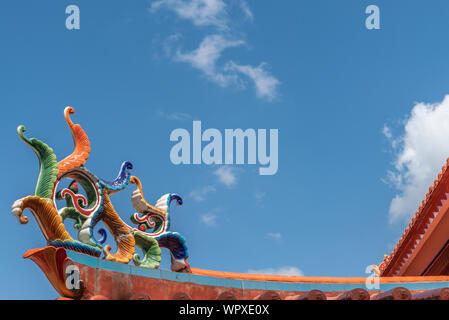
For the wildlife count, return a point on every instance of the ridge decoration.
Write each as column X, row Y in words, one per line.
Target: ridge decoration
column 87, row 202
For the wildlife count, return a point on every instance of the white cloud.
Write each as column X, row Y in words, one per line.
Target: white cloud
column 200, row 12
column 169, row 43
column 201, row 193
column 246, row 10
column 274, row 235
column 420, row 153
column 284, row 271
column 209, row 219
column 266, row 85
column 226, row 175
column 205, row 57
column 387, row 132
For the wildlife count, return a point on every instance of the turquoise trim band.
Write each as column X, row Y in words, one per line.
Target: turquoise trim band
column 240, row 284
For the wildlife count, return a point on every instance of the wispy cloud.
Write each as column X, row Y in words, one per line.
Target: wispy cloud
column 419, row 154
column 200, row 12
column 274, row 235
column 201, row 193
column 284, row 271
column 246, row 10
column 209, row 219
column 266, row 85
column 387, row 132
column 226, row 175
column 205, row 58
column 170, row 43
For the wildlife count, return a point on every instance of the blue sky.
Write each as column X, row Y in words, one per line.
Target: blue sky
column 361, row 116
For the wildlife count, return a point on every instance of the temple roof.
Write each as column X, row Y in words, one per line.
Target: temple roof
column 420, row 225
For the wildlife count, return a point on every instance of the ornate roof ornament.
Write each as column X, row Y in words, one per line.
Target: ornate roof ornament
column 92, row 204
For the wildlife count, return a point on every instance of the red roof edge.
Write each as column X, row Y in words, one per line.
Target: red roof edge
column 427, row 211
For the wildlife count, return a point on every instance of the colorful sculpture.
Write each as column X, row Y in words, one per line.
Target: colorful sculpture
column 94, row 205
column 379, row 268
